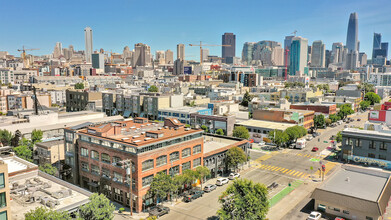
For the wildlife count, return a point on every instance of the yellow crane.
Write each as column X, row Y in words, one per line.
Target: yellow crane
column 206, row 45
column 23, row 50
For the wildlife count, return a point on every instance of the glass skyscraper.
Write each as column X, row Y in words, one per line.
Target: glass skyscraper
column 352, row 36
column 298, row 57
column 228, row 52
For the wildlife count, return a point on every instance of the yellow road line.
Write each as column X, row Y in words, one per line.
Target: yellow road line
column 285, row 171
column 298, row 174
column 294, row 174
column 280, row 168
column 275, row 168
column 291, row 171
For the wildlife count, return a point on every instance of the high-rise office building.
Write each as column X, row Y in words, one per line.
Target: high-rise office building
column 160, row 56
column 247, row 52
column 318, row 54
column 268, row 52
column 362, row 58
column 287, row 46
column 169, row 57
column 352, row 35
column 205, row 54
column 227, row 53
column 352, row 60
column 57, row 50
column 180, row 52
column 142, row 55
column 98, row 61
column 298, row 56
column 88, row 44
column 337, row 53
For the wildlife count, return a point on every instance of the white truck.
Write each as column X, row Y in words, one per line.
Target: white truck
column 300, row 144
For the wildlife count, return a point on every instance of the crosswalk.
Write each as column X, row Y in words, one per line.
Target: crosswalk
column 285, row 171
column 311, row 156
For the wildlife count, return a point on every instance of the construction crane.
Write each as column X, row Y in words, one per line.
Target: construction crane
column 294, row 32
column 206, row 45
column 23, row 50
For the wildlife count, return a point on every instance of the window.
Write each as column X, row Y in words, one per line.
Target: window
column 197, row 149
column 94, row 155
column 383, row 146
column 147, row 165
column 186, row 166
column 2, row 185
column 3, row 200
column 105, row 158
column 106, row 173
column 84, row 152
column 69, row 148
column 3, row 215
column 118, row 177
column 382, row 157
column 196, row 162
column 186, row 152
column 370, row 155
column 174, row 156
column 160, row 161
column 69, row 136
column 106, row 143
column 371, row 145
column 174, row 170
column 116, row 159
column 85, row 138
column 359, row 143
column 95, row 141
column 95, row 169
column 84, row 166
column 147, row 180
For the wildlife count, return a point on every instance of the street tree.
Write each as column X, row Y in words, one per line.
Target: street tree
column 153, row 88
column 372, row 98
column 43, row 213
column 319, row 121
column 98, row 208
column 328, row 121
column 79, row 86
column 278, row 137
column 220, row 131
column 244, row 199
column 203, row 127
column 161, row 186
column 293, row 133
column 24, row 152
column 241, row 132
column 48, row 168
column 364, row 105
column 339, row 137
column 6, row 137
column 190, row 176
column 235, row 156
column 334, row 118
column 246, row 99
column 345, row 110
column 202, row 172
column 36, row 136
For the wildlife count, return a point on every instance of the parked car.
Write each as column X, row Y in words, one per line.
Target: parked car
column 221, row 181
column 314, row 149
column 358, row 119
column 314, row 216
column 233, row 176
column 309, row 138
column 339, row 218
column 158, row 211
column 195, row 194
column 210, row 187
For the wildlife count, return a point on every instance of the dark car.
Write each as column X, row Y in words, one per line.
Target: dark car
column 358, row 119
column 193, row 195
column 158, row 211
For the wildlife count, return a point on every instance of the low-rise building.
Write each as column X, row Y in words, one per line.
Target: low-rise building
column 50, row 152
column 303, row 118
column 183, row 113
column 326, row 109
column 79, row 100
column 214, row 122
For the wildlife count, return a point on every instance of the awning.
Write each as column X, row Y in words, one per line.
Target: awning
column 126, row 114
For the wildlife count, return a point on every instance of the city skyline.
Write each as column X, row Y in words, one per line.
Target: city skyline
column 315, row 22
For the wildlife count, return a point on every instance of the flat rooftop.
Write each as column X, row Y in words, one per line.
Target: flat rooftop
column 212, row 143
column 265, row 124
column 185, row 109
column 16, row 165
column 356, row 184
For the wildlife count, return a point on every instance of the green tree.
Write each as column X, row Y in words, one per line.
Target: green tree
column 192, row 103
column 5, row 137
column 241, row 132
column 203, row 127
column 319, row 121
column 345, row 110
column 161, row 186
column 246, row 99
column 48, row 168
column 372, row 98
column 278, row 137
column 98, row 208
column 153, row 88
column 366, row 87
column 36, row 136
column 220, row 131
column 334, row 118
column 79, row 86
column 187, row 126
column 328, row 121
column 43, row 213
column 364, row 105
column 287, row 98
column 244, row 200
column 339, row 137
column 235, row 156
column 202, row 172
column 24, row 152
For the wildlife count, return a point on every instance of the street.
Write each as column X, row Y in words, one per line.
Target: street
column 284, row 167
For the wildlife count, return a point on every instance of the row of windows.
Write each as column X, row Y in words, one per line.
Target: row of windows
column 168, row 143
column 372, row 144
column 146, row 181
column 381, row 157
column 105, row 158
column 174, row 114
column 174, row 156
column 118, row 177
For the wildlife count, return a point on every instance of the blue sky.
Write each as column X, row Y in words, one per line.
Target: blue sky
column 163, row 24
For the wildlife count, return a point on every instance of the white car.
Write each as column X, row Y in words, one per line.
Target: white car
column 221, row 181
column 314, row 216
column 233, row 176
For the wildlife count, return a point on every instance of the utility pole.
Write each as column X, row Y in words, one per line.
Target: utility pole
column 127, row 164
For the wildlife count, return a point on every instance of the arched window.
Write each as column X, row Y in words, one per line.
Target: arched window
column 105, row 158
column 147, row 165
column 162, row 160
column 174, row 156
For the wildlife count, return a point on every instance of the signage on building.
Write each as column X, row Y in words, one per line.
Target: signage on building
column 187, row 69
column 369, row 161
column 374, row 114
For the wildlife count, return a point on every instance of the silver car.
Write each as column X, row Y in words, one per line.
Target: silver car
column 210, row 187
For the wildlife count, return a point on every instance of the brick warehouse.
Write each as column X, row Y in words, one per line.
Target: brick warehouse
column 152, row 149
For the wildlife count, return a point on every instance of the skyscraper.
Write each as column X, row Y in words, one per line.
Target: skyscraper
column 298, row 56
column 318, row 54
column 57, row 50
column 142, row 55
column 352, row 35
column 247, row 52
column 376, row 43
column 169, row 57
column 88, row 40
column 337, row 53
column 205, row 54
column 287, row 46
column 180, row 52
column 228, row 52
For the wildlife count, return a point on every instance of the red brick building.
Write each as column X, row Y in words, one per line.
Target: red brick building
column 327, row 109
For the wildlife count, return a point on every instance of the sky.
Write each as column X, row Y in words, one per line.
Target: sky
column 162, row 24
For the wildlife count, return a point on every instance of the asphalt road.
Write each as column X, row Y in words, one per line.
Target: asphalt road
column 283, row 167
